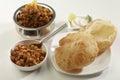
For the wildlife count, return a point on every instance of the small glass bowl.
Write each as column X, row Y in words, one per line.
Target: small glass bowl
column 35, row 33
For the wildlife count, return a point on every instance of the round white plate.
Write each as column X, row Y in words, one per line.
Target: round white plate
column 100, row 63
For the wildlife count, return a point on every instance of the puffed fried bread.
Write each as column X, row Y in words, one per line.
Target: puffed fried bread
column 76, row 51
column 103, row 31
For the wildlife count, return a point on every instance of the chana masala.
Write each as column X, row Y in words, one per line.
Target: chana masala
column 33, row 16
column 27, row 55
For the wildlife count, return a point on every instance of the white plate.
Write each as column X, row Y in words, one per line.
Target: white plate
column 78, row 22
column 100, row 63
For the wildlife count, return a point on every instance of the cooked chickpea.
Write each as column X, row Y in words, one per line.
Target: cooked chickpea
column 27, row 55
column 34, row 16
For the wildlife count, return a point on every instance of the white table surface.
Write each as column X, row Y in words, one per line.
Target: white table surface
column 104, row 9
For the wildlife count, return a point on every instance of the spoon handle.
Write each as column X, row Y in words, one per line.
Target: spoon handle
column 55, row 32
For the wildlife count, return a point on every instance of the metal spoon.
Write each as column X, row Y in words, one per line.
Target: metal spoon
column 39, row 43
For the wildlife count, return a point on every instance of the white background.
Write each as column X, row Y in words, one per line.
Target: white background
column 104, row 9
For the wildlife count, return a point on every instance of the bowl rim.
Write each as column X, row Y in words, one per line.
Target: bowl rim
column 41, row 4
column 30, row 68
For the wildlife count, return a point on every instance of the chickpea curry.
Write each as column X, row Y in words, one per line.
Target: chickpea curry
column 27, row 55
column 33, row 15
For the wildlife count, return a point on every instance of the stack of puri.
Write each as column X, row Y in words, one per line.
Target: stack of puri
column 78, row 50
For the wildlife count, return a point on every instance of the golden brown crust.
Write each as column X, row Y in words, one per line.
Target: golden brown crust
column 103, row 31
column 76, row 51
